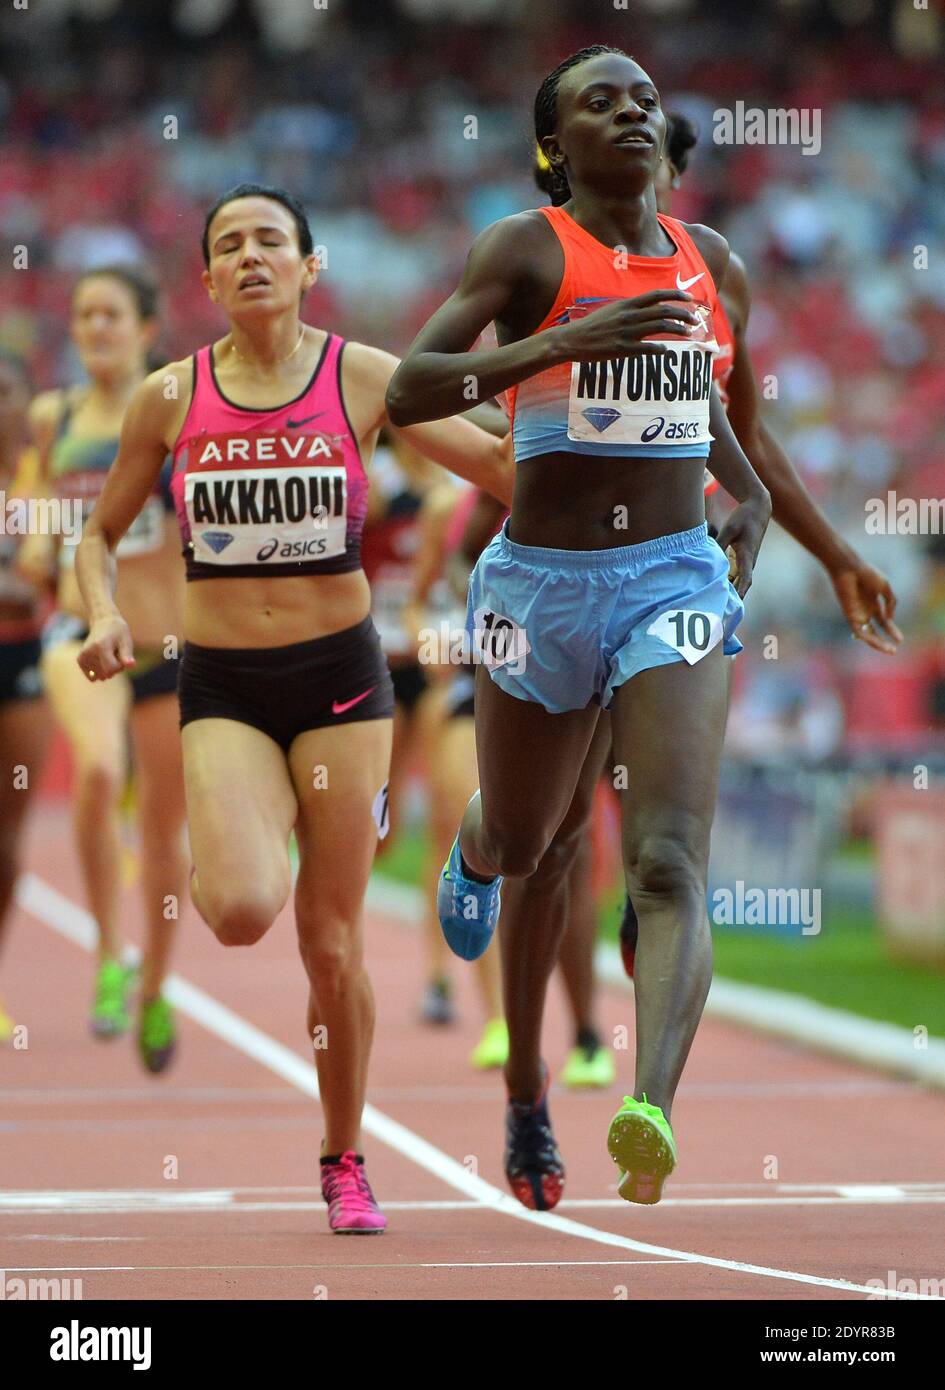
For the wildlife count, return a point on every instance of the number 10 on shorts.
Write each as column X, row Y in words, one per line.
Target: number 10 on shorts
column 498, row 641
column 688, row 631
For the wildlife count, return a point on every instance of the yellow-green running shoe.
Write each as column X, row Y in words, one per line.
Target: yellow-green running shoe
column 7, row 1026
column 157, row 1036
column 492, row 1049
column 641, row 1143
column 113, row 984
column 589, row 1067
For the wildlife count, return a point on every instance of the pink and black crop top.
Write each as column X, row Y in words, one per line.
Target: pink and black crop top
column 269, row 490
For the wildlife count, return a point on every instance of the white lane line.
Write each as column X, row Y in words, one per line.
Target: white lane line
column 768, row 1187
column 113, row 1200
column 331, row 1266
column 587, row 1204
column 532, row 1264
column 147, row 1204
column 919, row 1200
column 871, row 1192
column 132, row 1208
column 73, row 922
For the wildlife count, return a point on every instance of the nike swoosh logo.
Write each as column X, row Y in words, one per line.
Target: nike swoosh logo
column 339, row 706
column 680, row 285
column 297, row 424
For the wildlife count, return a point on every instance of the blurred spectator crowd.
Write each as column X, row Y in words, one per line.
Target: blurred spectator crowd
column 405, row 127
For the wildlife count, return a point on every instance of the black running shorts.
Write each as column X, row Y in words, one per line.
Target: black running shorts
column 19, row 670
column 284, row 691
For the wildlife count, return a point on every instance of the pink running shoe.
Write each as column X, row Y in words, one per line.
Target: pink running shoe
column 352, row 1210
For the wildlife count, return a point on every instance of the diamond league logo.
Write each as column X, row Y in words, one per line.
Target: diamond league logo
column 601, row 417
column 217, row 540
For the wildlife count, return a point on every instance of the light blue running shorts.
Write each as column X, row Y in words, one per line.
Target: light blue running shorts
column 560, row 626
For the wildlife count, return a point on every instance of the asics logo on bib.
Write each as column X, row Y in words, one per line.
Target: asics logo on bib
column 675, row 430
column 292, row 550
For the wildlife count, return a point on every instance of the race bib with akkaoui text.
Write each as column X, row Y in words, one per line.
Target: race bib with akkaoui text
column 258, row 499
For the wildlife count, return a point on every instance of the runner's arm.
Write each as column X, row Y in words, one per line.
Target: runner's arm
column 864, row 593
column 727, row 460
column 142, row 450
column 440, row 376
column 36, row 558
column 456, row 444
column 18, row 594
column 432, row 523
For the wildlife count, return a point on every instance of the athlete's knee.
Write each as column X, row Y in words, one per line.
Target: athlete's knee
column 518, row 850
column 333, row 958
column 520, row 855
column 512, row 853
column 562, row 854
column 664, row 864
column 240, row 919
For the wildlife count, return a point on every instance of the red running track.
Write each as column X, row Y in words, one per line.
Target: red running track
column 799, row 1177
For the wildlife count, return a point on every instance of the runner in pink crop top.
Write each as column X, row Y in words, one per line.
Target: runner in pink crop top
column 275, row 491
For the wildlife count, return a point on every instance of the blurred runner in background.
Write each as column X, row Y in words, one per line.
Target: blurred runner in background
column 24, row 721
column 114, row 326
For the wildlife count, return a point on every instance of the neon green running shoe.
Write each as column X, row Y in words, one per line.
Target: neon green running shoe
column 589, row 1067
column 157, row 1036
column 113, row 984
column 641, row 1143
column 492, row 1049
column 7, row 1026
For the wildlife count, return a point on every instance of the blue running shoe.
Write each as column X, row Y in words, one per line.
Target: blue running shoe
column 468, row 911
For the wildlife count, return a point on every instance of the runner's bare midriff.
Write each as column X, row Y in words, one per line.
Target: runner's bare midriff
column 274, row 612
column 569, row 501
